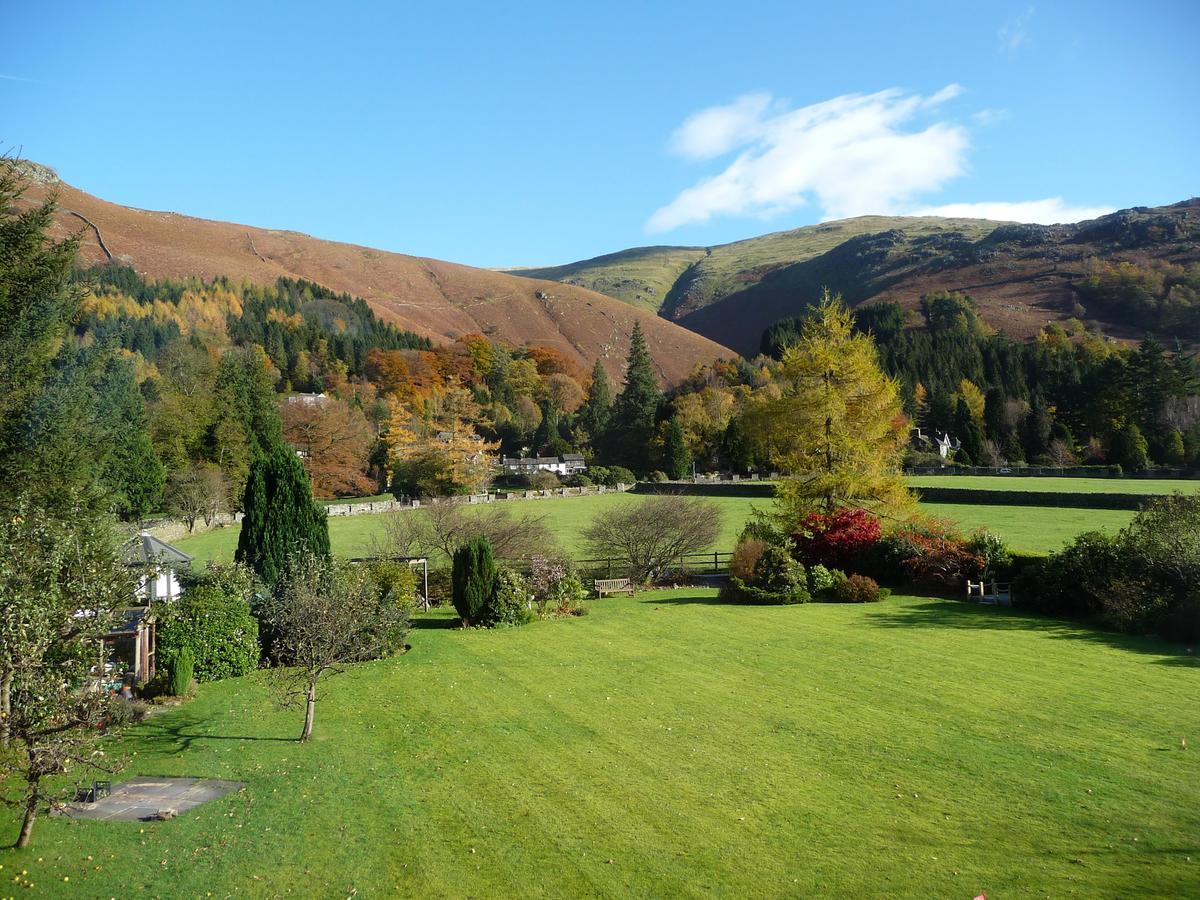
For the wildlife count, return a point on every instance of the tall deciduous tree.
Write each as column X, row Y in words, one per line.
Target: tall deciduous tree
column 281, row 518
column 335, row 441
column 837, row 431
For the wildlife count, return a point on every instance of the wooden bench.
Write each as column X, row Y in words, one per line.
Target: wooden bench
column 613, row 586
column 997, row 592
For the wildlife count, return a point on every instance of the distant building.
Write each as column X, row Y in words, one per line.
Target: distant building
column 307, row 399
column 934, row 442
column 570, row 464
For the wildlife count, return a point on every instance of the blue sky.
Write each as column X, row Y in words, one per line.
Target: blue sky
column 508, row 134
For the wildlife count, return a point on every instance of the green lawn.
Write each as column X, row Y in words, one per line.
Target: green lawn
column 1051, row 484
column 1026, row 528
column 666, row 746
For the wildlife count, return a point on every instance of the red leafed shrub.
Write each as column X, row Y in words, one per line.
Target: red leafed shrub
column 836, row 539
column 941, row 560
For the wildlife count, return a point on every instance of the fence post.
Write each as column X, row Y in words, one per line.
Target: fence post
column 715, row 562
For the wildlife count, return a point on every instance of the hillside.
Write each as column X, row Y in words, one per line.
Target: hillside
column 437, row 299
column 1021, row 276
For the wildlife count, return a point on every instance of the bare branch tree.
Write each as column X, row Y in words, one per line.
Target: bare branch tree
column 324, row 616
column 649, row 535
column 198, row 492
column 439, row 529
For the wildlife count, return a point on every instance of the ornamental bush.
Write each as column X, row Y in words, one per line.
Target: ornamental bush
column 472, row 580
column 777, row 578
column 213, row 621
column 510, row 601
column 821, row 580
column 557, row 588
column 182, row 668
column 745, row 557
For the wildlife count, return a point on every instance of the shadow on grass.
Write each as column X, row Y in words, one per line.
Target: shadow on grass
column 683, row 600
column 944, row 613
column 178, row 734
column 426, row 622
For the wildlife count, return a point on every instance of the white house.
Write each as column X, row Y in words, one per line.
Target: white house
column 940, row 441
column 570, row 464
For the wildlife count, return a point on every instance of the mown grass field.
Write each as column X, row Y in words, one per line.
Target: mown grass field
column 1050, row 484
column 1035, row 529
column 667, row 746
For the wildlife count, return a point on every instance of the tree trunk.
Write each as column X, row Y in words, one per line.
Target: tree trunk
column 31, row 810
column 6, row 708
column 310, row 707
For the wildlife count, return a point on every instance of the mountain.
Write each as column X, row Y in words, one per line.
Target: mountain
column 1021, row 276
column 440, row 300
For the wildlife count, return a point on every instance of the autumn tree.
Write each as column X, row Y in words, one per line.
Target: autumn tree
column 434, row 449
column 837, row 430
column 334, row 439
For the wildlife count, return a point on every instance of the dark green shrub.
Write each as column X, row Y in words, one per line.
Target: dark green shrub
column 658, row 476
column 181, row 668
column 472, row 579
column 858, row 589
column 213, row 621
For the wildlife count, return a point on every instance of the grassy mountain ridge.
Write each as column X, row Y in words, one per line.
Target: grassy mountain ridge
column 436, row 299
column 1022, row 276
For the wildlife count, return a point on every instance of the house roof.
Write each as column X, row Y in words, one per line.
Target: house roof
column 145, row 548
column 130, row 620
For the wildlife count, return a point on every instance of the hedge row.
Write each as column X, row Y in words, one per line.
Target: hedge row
column 710, row 489
column 1032, row 498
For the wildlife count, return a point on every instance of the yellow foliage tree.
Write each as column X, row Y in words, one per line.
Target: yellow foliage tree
column 838, row 430
column 437, row 431
column 973, row 397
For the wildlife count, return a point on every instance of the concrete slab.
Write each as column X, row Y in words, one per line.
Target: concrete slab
column 140, row 799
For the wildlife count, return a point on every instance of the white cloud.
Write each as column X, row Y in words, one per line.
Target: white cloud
column 989, row 116
column 855, row 154
column 1051, row 211
column 1014, row 33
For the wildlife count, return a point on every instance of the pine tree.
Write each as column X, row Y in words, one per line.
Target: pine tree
column 281, row 519
column 677, row 458
column 597, row 407
column 636, row 409
column 838, row 432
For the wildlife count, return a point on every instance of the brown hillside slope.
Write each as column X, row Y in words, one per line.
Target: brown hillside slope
column 438, row 299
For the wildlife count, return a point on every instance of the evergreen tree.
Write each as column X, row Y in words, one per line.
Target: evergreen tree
column 37, row 305
column 281, row 519
column 473, row 579
column 839, row 432
column 1174, row 453
column 1037, row 429
column 597, row 406
column 968, row 433
column 736, row 447
column 247, row 424
column 636, row 408
column 994, row 403
column 677, row 458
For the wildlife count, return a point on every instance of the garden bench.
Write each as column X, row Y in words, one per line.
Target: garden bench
column 613, row 586
column 998, row 592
